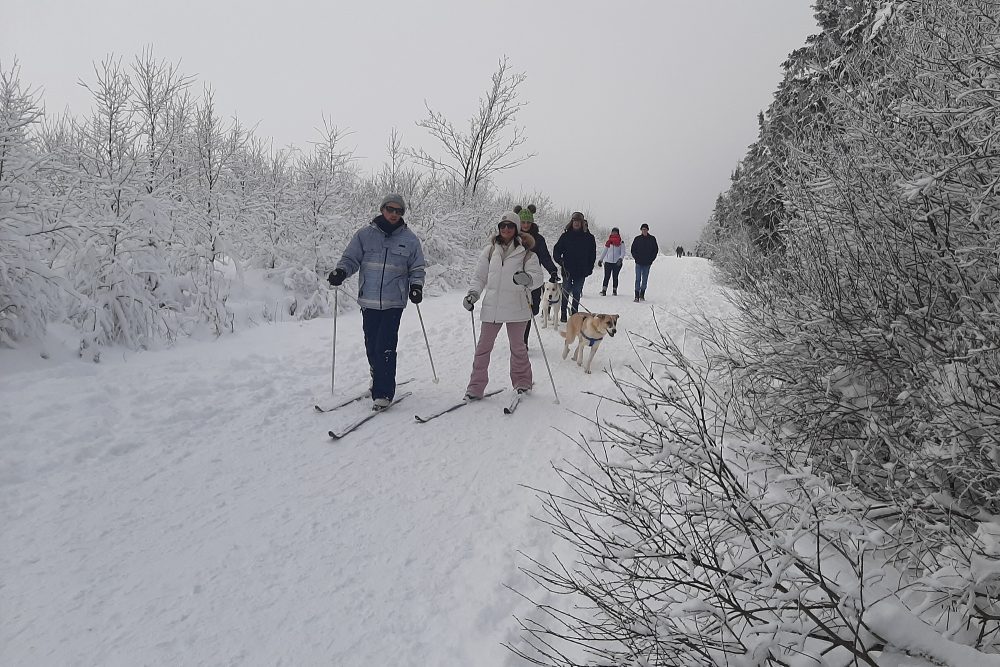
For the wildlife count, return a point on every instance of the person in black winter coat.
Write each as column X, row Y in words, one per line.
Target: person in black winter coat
column 644, row 252
column 576, row 253
column 528, row 226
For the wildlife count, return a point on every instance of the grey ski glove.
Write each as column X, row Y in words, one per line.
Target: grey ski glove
column 470, row 300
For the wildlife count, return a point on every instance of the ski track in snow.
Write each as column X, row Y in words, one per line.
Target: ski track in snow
column 187, row 507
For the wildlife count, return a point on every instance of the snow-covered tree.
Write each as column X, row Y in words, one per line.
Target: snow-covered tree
column 132, row 222
column 29, row 218
column 858, row 491
column 492, row 141
column 117, row 265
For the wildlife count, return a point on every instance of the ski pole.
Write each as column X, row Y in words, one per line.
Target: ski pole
column 538, row 334
column 427, row 343
column 333, row 366
column 475, row 343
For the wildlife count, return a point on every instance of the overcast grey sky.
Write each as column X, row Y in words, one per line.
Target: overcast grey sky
column 638, row 110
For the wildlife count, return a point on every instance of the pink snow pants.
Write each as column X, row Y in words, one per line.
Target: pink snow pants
column 520, row 367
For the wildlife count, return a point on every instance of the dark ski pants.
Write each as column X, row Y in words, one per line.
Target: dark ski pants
column 381, row 329
column 536, row 300
column 572, row 286
column 611, row 271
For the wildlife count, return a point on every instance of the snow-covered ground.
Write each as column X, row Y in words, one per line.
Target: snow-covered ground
column 187, row 507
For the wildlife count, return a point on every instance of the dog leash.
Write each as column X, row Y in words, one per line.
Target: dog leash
column 569, row 298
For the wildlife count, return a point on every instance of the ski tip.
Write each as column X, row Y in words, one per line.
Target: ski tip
column 334, row 436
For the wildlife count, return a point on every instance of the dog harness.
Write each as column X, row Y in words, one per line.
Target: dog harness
column 591, row 341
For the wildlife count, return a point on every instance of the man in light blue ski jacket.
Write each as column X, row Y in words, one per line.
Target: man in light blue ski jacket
column 391, row 264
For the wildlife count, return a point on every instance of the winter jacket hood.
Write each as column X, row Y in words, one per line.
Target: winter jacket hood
column 521, row 238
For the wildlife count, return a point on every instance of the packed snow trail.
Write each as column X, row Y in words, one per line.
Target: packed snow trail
column 188, row 507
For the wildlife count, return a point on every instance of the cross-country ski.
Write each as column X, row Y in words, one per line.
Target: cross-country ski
column 452, row 408
column 375, row 412
column 361, row 395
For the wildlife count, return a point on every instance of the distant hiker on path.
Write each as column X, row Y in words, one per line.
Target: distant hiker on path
column 644, row 252
column 680, row 251
column 391, row 262
column 506, row 272
column 611, row 259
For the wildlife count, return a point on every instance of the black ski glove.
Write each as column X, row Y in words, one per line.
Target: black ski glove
column 337, row 277
column 554, row 278
column 416, row 293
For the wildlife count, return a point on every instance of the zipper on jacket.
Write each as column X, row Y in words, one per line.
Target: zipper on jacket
column 381, row 283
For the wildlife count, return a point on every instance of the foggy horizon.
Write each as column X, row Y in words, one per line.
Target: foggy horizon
column 638, row 113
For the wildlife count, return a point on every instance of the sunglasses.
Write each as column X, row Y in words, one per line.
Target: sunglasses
column 507, row 225
column 393, row 209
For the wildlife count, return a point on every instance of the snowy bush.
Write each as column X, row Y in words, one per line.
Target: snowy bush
column 310, row 300
column 875, row 322
column 29, row 220
column 824, row 490
column 133, row 222
column 697, row 543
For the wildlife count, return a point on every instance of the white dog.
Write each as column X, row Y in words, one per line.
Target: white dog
column 551, row 296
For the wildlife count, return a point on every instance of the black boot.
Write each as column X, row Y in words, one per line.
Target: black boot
column 636, row 299
column 604, row 291
column 642, row 295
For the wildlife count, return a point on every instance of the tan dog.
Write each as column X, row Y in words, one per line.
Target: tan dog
column 588, row 330
column 551, row 296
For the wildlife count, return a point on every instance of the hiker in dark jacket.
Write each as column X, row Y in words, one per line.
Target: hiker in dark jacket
column 644, row 252
column 575, row 252
column 391, row 261
column 528, row 226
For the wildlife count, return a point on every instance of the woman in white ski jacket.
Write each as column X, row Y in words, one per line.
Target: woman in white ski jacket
column 611, row 259
column 507, row 271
